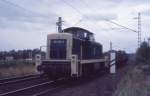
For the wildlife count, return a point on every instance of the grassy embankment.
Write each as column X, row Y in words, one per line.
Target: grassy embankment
column 16, row 68
column 135, row 83
column 137, row 80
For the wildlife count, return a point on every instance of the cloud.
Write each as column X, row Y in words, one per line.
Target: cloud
column 101, row 17
column 146, row 12
column 14, row 12
column 18, row 27
column 23, row 20
column 16, row 18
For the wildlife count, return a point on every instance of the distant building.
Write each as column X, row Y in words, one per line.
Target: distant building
column 9, row 58
column 28, row 59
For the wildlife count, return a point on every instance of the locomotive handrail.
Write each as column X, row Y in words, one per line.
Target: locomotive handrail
column 66, row 60
column 92, row 61
column 81, row 61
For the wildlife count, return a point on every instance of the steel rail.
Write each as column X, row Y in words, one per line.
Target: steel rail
column 19, row 77
column 28, row 88
column 19, row 80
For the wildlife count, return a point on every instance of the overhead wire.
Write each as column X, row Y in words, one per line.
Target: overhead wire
column 72, row 7
column 82, row 14
column 77, row 22
column 122, row 26
column 16, row 5
column 93, row 11
column 110, row 20
column 29, row 12
column 76, row 10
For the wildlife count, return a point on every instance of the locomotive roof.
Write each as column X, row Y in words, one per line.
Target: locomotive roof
column 77, row 29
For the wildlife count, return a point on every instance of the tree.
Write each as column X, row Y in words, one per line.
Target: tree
column 143, row 53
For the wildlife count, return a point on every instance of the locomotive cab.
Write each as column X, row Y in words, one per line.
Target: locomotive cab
column 58, row 55
column 59, row 46
column 80, row 33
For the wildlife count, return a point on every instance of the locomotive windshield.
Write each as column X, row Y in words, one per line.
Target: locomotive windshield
column 80, row 33
column 58, row 49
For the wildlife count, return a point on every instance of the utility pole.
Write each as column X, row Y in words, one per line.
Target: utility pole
column 30, row 55
column 59, row 24
column 139, row 29
column 110, row 46
column 149, row 41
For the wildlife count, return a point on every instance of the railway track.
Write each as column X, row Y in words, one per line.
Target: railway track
column 15, row 79
column 31, row 86
column 37, row 89
column 21, row 83
column 39, row 86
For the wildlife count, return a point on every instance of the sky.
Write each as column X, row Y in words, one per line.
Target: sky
column 24, row 24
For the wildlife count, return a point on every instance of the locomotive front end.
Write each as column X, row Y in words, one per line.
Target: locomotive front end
column 58, row 55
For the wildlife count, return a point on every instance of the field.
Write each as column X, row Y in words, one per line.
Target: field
column 16, row 68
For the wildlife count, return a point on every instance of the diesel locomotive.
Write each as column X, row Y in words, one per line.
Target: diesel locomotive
column 72, row 53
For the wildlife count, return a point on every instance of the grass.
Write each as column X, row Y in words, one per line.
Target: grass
column 14, row 63
column 16, row 68
column 133, row 83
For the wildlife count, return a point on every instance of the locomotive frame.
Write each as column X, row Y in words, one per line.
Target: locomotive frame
column 73, row 53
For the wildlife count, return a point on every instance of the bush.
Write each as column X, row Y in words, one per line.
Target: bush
column 14, row 63
column 143, row 54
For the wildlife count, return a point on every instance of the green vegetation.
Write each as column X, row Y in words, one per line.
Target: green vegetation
column 14, row 63
column 18, row 62
column 143, row 54
column 16, row 68
column 135, row 82
column 21, row 54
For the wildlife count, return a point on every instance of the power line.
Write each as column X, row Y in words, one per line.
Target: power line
column 72, row 7
column 139, row 36
column 122, row 26
column 110, row 20
column 77, row 22
column 20, row 7
column 137, row 31
column 86, row 4
column 15, row 5
column 139, row 21
column 78, row 11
